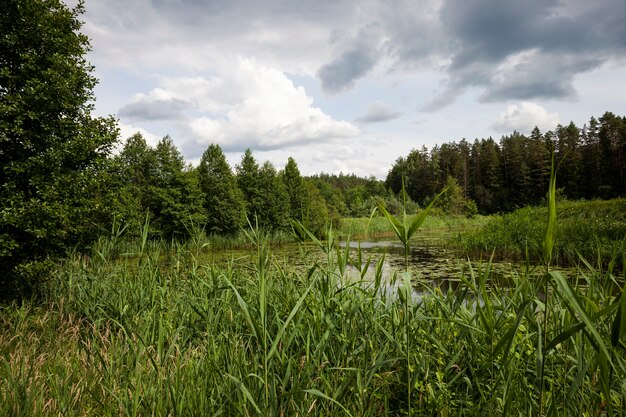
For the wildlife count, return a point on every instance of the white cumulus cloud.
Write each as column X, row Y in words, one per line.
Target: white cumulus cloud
column 523, row 117
column 243, row 105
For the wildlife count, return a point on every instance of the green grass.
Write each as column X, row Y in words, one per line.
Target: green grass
column 440, row 224
column 164, row 333
column 594, row 229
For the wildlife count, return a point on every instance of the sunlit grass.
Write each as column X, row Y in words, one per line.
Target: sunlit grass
column 439, row 225
column 595, row 229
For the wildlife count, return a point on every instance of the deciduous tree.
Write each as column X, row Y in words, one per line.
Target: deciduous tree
column 222, row 200
column 51, row 148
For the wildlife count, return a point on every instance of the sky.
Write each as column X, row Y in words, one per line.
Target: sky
column 350, row 86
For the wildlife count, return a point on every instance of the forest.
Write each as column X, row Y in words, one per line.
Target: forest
column 514, row 172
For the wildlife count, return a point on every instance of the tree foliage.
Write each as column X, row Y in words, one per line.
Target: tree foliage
column 51, row 149
column 294, row 187
column 248, row 182
column 222, row 200
column 174, row 197
column 514, row 172
column 132, row 171
column 273, row 199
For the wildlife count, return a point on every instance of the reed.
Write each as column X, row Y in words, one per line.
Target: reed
column 594, row 229
column 162, row 331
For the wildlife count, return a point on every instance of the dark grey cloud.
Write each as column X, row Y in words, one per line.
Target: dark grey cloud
column 542, row 76
column 474, row 44
column 523, row 49
column 340, row 74
column 148, row 109
column 379, row 112
column 529, row 49
column 355, row 62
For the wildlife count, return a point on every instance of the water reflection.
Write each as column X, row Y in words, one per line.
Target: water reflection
column 429, row 263
column 433, row 266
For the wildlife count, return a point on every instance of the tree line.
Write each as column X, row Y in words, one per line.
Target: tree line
column 179, row 197
column 514, row 172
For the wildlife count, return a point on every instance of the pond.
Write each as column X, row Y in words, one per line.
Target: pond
column 431, row 263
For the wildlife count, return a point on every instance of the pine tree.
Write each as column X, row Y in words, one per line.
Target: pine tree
column 273, row 212
column 133, row 170
column 174, row 197
column 568, row 149
column 612, row 136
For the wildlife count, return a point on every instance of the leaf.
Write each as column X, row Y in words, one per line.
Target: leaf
column 245, row 311
column 320, row 394
column 574, row 305
column 619, row 324
column 564, row 335
column 294, row 311
column 507, row 340
column 398, row 228
column 246, row 393
column 549, row 237
column 407, row 288
column 419, row 220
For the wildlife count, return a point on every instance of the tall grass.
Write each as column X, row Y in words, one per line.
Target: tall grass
column 437, row 224
column 594, row 229
column 165, row 332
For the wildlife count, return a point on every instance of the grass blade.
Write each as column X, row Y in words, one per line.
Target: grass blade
column 419, row 219
column 574, row 305
column 320, row 394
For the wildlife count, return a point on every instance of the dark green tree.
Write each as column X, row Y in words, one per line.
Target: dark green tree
column 612, row 135
column 293, row 183
column 316, row 216
column 539, row 164
column 51, row 148
column 223, row 202
column 273, row 200
column 355, row 201
column 174, row 197
column 248, row 182
column 132, row 172
column 419, row 180
column 452, row 201
column 569, row 149
column 332, row 196
column 516, row 172
column 396, row 175
column 591, row 162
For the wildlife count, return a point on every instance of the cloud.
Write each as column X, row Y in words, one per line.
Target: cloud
column 245, row 105
column 530, row 49
column 524, row 117
column 353, row 63
column 363, row 156
column 156, row 106
column 521, row 50
column 538, row 76
column 192, row 35
column 379, row 112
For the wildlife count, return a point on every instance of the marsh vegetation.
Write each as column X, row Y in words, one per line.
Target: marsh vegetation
column 135, row 284
column 174, row 329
